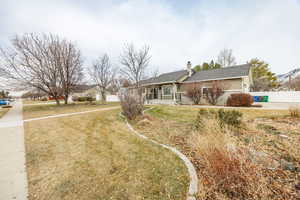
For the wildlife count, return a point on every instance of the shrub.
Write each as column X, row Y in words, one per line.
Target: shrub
column 194, row 91
column 81, row 99
column 230, row 117
column 130, row 106
column 223, row 117
column 240, row 99
column 90, row 99
column 202, row 115
column 226, row 171
column 44, row 99
column 294, row 111
column 75, row 98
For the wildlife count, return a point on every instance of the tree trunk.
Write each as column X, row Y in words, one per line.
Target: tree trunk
column 66, row 99
column 103, row 97
column 57, row 101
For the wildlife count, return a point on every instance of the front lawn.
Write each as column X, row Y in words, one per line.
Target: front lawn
column 29, row 101
column 34, row 111
column 261, row 160
column 94, row 156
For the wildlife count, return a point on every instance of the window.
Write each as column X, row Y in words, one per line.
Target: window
column 167, row 90
column 205, row 90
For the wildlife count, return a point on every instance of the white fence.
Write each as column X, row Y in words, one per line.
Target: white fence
column 280, row 97
column 112, row 98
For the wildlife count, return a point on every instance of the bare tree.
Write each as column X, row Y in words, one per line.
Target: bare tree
column 225, row 58
column 44, row 62
column 295, row 83
column 194, row 91
column 134, row 64
column 103, row 74
column 154, row 73
column 215, row 92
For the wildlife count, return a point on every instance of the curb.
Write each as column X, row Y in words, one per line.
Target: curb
column 193, row 187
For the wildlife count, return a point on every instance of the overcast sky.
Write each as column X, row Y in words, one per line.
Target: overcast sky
column 176, row 30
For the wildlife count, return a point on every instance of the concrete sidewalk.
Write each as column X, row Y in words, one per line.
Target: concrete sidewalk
column 13, row 178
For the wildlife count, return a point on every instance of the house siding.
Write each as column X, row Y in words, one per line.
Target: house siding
column 231, row 86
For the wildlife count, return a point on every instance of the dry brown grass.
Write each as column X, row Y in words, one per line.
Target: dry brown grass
column 94, row 156
column 3, row 111
column 52, row 109
column 226, row 164
column 294, row 111
column 226, row 172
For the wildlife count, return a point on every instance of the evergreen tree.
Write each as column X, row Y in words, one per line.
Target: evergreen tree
column 263, row 78
column 207, row 66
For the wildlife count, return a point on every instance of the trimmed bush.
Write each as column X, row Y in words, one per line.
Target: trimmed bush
column 240, row 100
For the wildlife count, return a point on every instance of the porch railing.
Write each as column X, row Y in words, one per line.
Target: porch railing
column 152, row 96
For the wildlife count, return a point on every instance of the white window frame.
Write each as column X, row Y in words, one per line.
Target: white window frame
column 163, row 90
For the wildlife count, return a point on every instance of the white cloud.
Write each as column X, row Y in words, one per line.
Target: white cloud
column 265, row 29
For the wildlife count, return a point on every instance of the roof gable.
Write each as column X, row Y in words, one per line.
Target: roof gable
column 166, row 77
column 222, row 73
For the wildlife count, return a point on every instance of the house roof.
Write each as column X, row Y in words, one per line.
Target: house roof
column 165, row 78
column 82, row 88
column 222, row 73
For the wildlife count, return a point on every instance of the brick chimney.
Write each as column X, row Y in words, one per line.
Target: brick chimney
column 189, row 68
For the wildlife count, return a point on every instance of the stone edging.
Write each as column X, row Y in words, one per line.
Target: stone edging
column 193, row 187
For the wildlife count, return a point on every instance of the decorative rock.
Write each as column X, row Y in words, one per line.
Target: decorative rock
column 283, row 136
column 287, row 165
column 264, row 159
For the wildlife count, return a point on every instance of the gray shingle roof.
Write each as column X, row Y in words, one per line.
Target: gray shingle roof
column 166, row 77
column 222, row 73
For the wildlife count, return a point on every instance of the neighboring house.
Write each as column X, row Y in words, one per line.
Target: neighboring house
column 93, row 91
column 85, row 90
column 170, row 88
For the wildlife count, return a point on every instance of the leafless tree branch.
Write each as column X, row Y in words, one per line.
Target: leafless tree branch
column 45, row 62
column 103, row 74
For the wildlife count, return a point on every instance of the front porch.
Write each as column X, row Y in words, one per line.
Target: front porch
column 162, row 94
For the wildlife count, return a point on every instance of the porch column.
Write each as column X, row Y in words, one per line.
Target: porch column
column 174, row 92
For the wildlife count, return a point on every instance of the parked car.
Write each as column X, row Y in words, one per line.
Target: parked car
column 3, row 102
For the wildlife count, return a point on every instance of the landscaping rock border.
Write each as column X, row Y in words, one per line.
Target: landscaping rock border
column 193, row 187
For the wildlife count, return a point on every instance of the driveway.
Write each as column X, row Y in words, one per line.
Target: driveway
column 13, row 178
